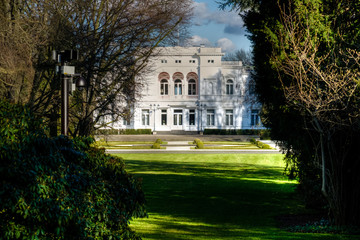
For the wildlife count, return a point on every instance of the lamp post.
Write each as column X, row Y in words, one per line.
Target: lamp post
column 80, row 84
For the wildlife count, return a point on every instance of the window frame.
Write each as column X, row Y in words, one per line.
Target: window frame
column 229, row 87
column 192, row 87
column 210, row 117
column 229, row 117
column 164, row 87
column 145, row 117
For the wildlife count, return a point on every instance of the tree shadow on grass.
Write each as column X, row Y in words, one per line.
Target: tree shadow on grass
column 213, row 201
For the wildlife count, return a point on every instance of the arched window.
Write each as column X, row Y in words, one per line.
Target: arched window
column 164, row 87
column 192, row 87
column 178, row 87
column 192, row 79
column 229, row 87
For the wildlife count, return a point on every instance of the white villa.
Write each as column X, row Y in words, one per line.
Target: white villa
column 191, row 89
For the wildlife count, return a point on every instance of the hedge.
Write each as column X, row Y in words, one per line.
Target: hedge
column 263, row 133
column 122, row 131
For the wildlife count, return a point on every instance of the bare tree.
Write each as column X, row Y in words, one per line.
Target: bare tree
column 240, row 55
column 114, row 39
column 21, row 33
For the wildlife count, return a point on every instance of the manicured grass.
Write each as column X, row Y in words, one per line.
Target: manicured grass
column 214, row 196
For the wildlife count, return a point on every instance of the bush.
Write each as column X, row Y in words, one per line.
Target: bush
column 265, row 134
column 156, row 146
column 59, row 188
column 159, row 141
column 260, row 144
column 199, row 144
column 233, row 132
column 123, row 131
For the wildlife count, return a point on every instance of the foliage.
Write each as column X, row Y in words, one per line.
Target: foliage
column 123, row 131
column 209, row 131
column 199, row 144
column 259, row 144
column 158, row 141
column 61, row 189
column 156, row 145
column 306, row 57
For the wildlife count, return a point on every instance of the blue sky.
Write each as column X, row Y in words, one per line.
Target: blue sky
column 214, row 27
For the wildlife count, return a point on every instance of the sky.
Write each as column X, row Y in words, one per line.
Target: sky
column 218, row 28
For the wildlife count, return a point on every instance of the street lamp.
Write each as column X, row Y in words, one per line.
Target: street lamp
column 80, row 84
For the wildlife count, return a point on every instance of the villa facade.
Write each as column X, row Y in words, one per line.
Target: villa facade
column 191, row 89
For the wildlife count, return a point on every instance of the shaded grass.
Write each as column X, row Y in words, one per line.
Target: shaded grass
column 214, row 196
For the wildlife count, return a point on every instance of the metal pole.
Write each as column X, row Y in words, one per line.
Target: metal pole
column 64, row 105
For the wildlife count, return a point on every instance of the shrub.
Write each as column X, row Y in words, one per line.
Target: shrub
column 252, row 141
column 234, row 132
column 159, row 141
column 265, row 134
column 156, row 146
column 260, row 144
column 199, row 144
column 59, row 188
column 123, row 131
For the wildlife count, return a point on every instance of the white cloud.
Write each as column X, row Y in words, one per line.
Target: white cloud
column 232, row 21
column 197, row 40
column 226, row 45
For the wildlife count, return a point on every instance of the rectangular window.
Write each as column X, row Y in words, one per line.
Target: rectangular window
column 192, row 117
column 145, row 117
column 229, row 118
column 255, row 120
column 177, row 61
column 191, row 61
column 178, row 117
column 163, row 117
column 164, row 61
column 210, row 117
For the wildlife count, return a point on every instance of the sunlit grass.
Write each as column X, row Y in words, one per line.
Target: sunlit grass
column 215, row 196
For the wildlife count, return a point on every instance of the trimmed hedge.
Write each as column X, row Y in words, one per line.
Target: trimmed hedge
column 59, row 188
column 199, row 144
column 123, row 131
column 263, row 133
column 260, row 144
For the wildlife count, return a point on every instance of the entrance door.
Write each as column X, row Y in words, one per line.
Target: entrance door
column 178, row 119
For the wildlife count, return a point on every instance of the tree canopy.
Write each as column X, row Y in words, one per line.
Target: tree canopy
column 306, row 58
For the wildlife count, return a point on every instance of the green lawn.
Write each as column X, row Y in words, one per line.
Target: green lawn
column 214, row 196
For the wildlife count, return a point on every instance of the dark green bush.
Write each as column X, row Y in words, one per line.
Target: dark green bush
column 159, row 141
column 234, row 132
column 59, row 188
column 265, row 134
